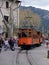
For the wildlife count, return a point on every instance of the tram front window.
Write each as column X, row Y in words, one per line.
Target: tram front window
column 19, row 35
column 35, row 36
column 24, row 34
column 29, row 34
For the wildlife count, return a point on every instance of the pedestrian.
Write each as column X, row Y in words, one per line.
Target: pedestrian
column 1, row 42
column 11, row 43
column 47, row 44
column 6, row 44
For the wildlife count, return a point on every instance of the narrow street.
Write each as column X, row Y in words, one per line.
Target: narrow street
column 38, row 56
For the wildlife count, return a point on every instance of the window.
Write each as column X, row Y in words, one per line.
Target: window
column 29, row 34
column 6, row 18
column 19, row 35
column 38, row 33
column 35, row 36
column 7, row 4
column 24, row 34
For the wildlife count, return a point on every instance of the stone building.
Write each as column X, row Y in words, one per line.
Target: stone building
column 9, row 10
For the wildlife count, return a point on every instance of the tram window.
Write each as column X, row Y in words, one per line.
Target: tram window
column 29, row 34
column 35, row 36
column 38, row 33
column 24, row 34
column 19, row 35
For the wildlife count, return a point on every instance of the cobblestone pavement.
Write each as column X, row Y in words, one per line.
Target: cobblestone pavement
column 38, row 56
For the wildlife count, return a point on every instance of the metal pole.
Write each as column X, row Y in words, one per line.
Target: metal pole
column 18, row 19
column 11, row 22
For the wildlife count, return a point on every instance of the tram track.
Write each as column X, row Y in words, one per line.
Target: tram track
column 30, row 60
column 17, row 57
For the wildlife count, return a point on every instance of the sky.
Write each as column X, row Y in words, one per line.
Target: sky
column 43, row 4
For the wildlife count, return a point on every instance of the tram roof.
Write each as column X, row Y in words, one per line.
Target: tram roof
column 29, row 27
column 26, row 27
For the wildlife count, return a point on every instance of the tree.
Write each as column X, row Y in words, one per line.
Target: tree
column 9, row 25
column 33, row 18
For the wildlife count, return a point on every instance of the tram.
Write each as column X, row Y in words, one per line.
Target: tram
column 29, row 37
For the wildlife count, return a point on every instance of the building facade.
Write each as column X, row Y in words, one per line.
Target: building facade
column 9, row 12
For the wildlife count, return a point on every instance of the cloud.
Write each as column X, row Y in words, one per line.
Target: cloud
column 40, row 2
column 44, row 4
column 35, row 2
column 42, row 7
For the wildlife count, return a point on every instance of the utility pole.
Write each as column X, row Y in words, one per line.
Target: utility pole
column 11, row 22
column 12, row 17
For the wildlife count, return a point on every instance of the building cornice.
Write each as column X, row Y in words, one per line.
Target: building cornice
column 17, row 1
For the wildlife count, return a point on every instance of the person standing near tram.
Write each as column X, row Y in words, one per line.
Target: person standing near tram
column 11, row 43
column 6, row 44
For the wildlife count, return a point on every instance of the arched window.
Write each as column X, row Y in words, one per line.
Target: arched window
column 7, row 4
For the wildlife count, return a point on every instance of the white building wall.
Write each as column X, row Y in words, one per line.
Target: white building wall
column 6, row 11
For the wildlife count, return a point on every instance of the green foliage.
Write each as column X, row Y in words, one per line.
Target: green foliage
column 27, row 17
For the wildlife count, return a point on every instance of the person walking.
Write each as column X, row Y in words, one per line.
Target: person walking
column 47, row 44
column 11, row 43
column 1, row 42
column 6, row 44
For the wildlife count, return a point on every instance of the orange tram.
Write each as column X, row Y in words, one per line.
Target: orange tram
column 29, row 37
